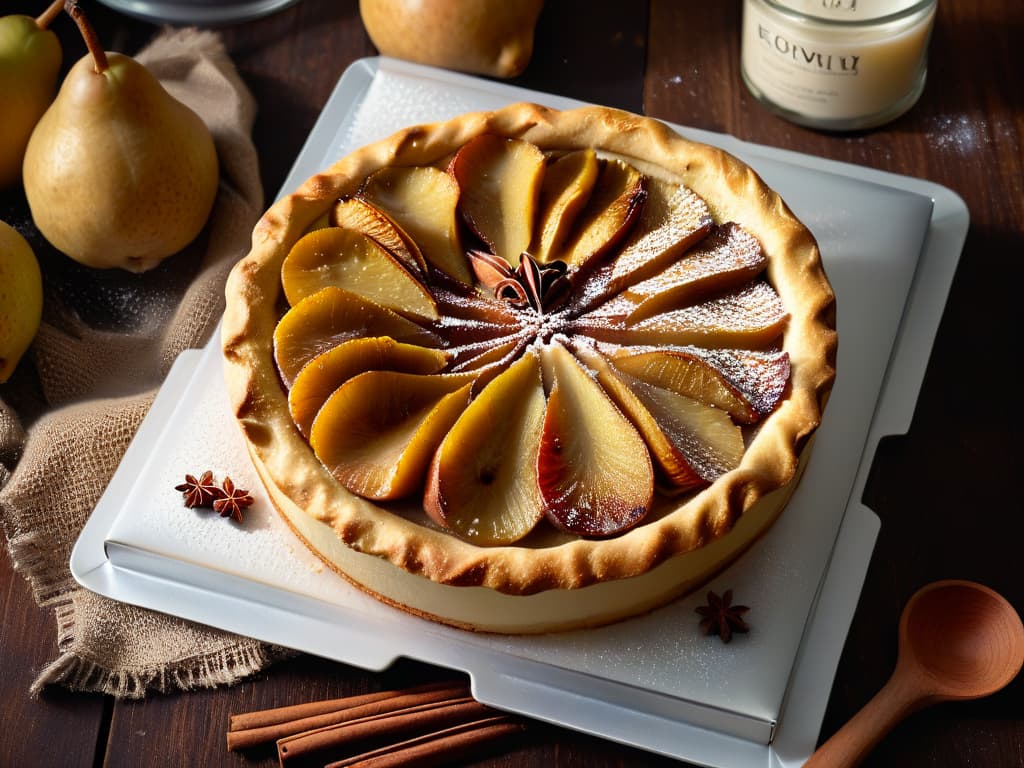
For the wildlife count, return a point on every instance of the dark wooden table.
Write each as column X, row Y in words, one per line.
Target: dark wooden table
column 948, row 492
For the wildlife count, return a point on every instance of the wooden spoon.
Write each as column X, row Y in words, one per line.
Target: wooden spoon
column 957, row 640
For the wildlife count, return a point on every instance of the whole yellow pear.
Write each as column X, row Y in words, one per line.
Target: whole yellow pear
column 21, row 298
column 30, row 57
column 118, row 173
column 487, row 37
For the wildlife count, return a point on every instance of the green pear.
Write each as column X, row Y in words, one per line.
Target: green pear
column 30, row 58
column 118, row 173
column 21, row 298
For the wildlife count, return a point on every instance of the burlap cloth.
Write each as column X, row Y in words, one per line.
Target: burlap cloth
column 105, row 345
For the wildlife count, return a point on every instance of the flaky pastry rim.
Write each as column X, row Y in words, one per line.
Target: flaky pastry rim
column 731, row 189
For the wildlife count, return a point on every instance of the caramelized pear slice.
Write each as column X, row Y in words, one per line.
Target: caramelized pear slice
column 614, row 206
column 482, row 482
column 667, row 455
column 500, row 179
column 757, row 378
column 687, row 374
column 727, row 258
column 760, row 376
column 593, row 468
column 351, row 260
column 568, row 182
column 708, row 439
column 674, row 218
column 377, row 432
column 750, row 317
column 328, row 371
column 331, row 316
column 423, row 200
column 359, row 215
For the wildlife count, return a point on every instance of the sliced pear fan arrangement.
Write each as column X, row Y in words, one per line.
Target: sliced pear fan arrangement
column 526, row 335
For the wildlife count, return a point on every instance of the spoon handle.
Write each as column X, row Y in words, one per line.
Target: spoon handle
column 848, row 746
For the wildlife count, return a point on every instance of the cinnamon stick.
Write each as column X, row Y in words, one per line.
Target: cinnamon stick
column 460, row 742
column 314, row 748
column 266, row 726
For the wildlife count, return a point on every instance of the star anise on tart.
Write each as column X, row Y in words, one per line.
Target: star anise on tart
column 542, row 287
column 721, row 617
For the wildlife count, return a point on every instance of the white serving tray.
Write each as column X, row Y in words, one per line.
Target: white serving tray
column 890, row 245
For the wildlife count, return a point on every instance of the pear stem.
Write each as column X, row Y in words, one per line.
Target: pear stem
column 92, row 42
column 43, row 20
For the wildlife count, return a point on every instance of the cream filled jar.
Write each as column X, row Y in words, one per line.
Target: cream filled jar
column 836, row 64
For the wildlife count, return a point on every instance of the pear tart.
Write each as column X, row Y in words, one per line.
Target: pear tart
column 530, row 370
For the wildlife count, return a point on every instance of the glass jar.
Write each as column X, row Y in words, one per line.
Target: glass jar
column 836, row 64
column 200, row 12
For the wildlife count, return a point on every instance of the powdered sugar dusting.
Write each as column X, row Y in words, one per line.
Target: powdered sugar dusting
column 760, row 376
column 672, row 216
column 726, row 251
column 752, row 309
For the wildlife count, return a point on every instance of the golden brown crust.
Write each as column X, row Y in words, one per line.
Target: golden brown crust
column 732, row 191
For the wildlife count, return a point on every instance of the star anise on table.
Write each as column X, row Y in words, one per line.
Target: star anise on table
column 233, row 501
column 201, row 492
column 721, row 616
column 542, row 287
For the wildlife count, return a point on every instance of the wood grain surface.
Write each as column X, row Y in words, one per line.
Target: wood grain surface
column 947, row 492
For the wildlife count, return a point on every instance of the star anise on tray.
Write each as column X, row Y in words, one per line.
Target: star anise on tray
column 542, row 287
column 201, row 492
column 233, row 501
column 722, row 617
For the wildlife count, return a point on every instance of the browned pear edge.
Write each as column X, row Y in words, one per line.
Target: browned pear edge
column 733, row 192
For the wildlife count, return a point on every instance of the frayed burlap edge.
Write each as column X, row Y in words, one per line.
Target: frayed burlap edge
column 233, row 659
column 226, row 666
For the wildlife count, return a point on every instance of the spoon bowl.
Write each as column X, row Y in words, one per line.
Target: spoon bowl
column 958, row 640
column 964, row 640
